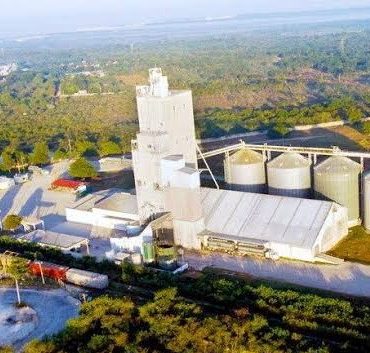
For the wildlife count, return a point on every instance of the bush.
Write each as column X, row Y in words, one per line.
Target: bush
column 60, row 154
column 40, row 155
column 82, row 169
column 12, row 222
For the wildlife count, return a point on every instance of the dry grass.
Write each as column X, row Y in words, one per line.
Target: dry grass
column 133, row 79
column 352, row 134
column 355, row 247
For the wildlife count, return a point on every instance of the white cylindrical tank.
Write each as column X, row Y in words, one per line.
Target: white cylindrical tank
column 366, row 201
column 289, row 175
column 337, row 179
column 87, row 279
column 245, row 171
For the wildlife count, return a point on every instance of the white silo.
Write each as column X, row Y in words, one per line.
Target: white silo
column 366, row 201
column 245, row 171
column 337, row 179
column 289, row 175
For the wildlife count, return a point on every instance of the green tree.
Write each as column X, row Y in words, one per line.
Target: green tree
column 8, row 159
column 40, row 347
column 354, row 114
column 16, row 267
column 60, row 154
column 6, row 349
column 12, row 222
column 107, row 148
column 40, row 155
column 86, row 149
column 82, row 169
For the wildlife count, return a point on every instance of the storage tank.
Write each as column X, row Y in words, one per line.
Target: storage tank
column 87, row 279
column 149, row 253
column 337, row 179
column 245, row 171
column 366, row 201
column 289, row 175
column 49, row 270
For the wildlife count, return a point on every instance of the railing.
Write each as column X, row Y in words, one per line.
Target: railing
column 334, row 151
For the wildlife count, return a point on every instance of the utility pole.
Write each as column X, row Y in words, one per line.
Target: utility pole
column 42, row 272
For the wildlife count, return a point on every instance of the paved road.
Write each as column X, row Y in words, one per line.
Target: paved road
column 53, row 308
column 347, row 278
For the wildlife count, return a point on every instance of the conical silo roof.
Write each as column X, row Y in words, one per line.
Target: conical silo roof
column 338, row 165
column 289, row 160
column 246, row 156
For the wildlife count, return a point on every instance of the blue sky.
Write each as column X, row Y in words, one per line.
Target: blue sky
column 52, row 15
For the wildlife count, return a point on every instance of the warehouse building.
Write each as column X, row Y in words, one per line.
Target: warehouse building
column 108, row 209
column 291, row 227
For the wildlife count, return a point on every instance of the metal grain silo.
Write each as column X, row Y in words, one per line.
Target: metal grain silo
column 289, row 175
column 366, row 201
column 337, row 179
column 245, row 171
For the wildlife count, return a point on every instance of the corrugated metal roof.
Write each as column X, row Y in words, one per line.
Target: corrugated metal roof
column 289, row 160
column 246, row 156
column 338, row 165
column 62, row 241
column 264, row 217
column 119, row 202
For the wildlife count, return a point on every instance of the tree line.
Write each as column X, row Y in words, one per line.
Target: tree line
column 211, row 312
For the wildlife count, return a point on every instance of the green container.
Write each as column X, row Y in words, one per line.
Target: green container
column 167, row 251
column 149, row 253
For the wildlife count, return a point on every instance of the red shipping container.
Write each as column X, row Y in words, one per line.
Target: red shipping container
column 67, row 183
column 49, row 270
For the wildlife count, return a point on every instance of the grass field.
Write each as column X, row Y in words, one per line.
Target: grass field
column 355, row 247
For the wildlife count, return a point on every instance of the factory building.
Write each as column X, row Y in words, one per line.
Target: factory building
column 168, row 182
column 291, row 227
column 166, row 122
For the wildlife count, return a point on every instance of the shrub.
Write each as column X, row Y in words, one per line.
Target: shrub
column 12, row 222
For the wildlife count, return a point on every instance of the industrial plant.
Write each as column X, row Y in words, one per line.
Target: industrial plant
column 280, row 201
column 276, row 201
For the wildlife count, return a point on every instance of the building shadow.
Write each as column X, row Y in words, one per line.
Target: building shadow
column 34, row 203
column 7, row 201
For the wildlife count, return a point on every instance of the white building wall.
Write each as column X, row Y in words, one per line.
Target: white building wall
column 186, row 233
column 168, row 167
column 78, row 216
column 96, row 219
column 166, row 122
column 132, row 243
column 333, row 231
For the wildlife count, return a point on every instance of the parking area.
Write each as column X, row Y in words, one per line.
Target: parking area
column 34, row 199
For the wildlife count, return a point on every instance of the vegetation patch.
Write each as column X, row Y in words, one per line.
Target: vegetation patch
column 355, row 247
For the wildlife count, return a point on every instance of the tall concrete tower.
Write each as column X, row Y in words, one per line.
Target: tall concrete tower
column 166, row 123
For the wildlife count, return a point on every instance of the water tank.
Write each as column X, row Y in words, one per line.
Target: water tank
column 337, row 179
column 245, row 171
column 149, row 252
column 289, row 175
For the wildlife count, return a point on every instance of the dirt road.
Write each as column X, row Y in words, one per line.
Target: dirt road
column 347, row 278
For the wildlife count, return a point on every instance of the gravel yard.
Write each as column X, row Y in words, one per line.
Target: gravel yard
column 51, row 309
